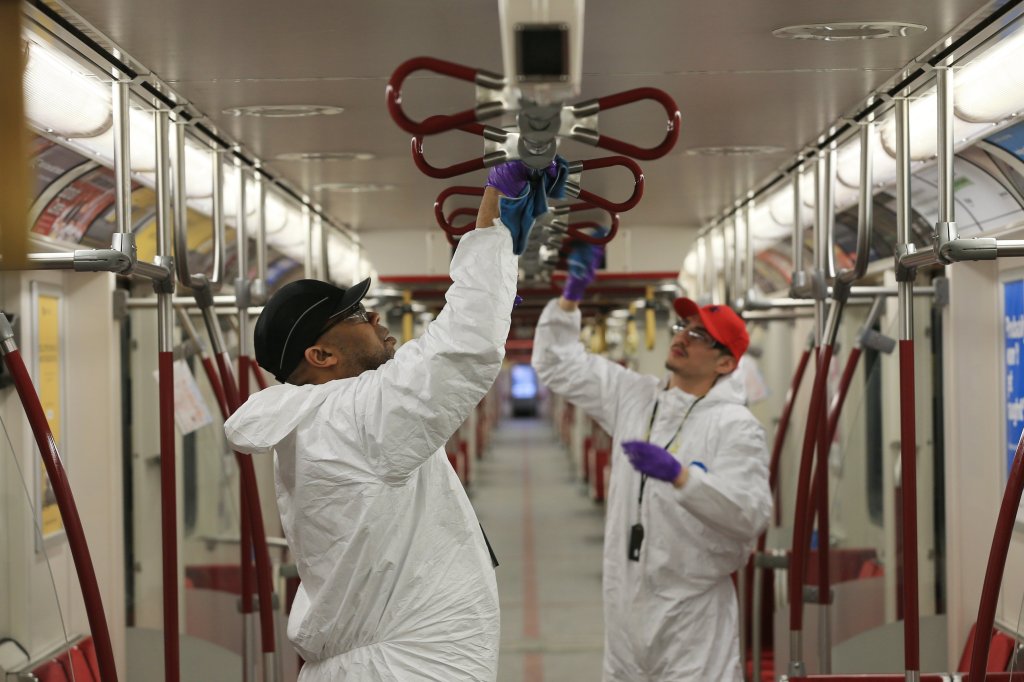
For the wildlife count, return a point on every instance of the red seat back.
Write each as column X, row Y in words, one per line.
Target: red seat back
column 79, row 666
column 88, row 649
column 999, row 652
column 51, row 671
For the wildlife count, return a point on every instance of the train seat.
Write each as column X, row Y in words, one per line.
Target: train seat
column 51, row 671
column 220, row 577
column 1000, row 651
column 74, row 660
column 88, row 649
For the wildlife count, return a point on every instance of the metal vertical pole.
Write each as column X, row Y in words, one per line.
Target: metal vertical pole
column 219, row 259
column 307, row 220
column 908, row 440
column 946, row 227
column 180, row 207
column 241, row 297
column 716, row 289
column 748, row 250
column 826, row 265
column 259, row 285
column 168, row 438
column 733, row 291
column 798, row 232
column 323, row 264
column 123, row 240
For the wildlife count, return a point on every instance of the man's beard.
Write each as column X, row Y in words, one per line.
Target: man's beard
column 370, row 360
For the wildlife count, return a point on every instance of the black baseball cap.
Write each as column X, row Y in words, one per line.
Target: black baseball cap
column 295, row 317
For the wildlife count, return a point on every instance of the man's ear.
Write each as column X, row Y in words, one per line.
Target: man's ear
column 320, row 357
column 726, row 364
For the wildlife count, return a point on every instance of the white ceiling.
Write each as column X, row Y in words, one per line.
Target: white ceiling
column 734, row 82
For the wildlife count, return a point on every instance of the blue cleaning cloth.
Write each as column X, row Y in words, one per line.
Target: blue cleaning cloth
column 519, row 214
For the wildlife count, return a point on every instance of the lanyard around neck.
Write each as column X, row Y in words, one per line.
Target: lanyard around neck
column 650, row 428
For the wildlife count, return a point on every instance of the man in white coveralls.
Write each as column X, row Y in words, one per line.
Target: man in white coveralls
column 688, row 492
column 397, row 578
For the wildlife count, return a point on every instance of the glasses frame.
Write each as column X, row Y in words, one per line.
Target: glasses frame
column 359, row 313
column 699, row 335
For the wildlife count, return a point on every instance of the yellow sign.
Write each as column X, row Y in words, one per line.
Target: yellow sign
column 48, row 380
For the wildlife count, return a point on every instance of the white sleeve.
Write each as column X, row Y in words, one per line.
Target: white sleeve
column 590, row 382
column 411, row 406
column 732, row 497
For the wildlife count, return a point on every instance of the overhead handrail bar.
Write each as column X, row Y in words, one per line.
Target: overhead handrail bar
column 441, row 123
column 196, row 281
column 65, row 499
column 121, row 258
column 591, row 108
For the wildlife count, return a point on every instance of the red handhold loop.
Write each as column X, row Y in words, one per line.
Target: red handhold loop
column 637, row 95
column 442, row 172
column 607, row 162
column 445, row 221
column 434, row 124
column 576, row 229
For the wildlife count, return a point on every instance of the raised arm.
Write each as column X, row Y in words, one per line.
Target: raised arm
column 413, row 404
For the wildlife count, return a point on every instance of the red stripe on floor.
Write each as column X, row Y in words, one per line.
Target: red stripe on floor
column 533, row 663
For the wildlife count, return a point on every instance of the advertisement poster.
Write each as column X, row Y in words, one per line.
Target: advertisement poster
column 48, row 310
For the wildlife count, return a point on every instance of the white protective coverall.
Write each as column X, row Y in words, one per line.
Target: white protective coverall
column 672, row 615
column 397, row 582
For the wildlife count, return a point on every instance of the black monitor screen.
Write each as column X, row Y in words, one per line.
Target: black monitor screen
column 543, row 52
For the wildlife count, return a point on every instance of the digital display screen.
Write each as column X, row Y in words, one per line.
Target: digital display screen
column 524, row 382
column 543, row 52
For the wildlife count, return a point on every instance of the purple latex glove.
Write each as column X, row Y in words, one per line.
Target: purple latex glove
column 653, row 460
column 583, row 261
column 510, row 178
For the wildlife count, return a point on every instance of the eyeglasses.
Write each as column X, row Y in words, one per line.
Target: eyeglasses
column 357, row 316
column 698, row 335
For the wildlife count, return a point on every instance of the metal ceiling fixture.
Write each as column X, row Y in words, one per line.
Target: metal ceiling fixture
column 849, row 30
column 326, row 156
column 353, row 187
column 735, row 150
column 284, row 110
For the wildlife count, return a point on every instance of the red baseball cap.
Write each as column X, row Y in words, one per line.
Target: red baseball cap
column 721, row 321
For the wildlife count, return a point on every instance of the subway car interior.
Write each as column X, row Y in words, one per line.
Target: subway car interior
column 848, row 178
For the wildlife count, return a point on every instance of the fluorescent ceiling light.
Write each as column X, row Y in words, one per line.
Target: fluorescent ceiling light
column 691, row 261
column 765, row 228
column 284, row 110
column 924, row 129
column 883, row 166
column 991, row 87
column 780, row 202
column 141, row 145
column 353, row 187
column 60, row 98
column 849, row 30
column 326, row 156
column 735, row 150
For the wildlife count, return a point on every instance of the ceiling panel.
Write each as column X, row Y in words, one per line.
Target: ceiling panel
column 735, row 83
